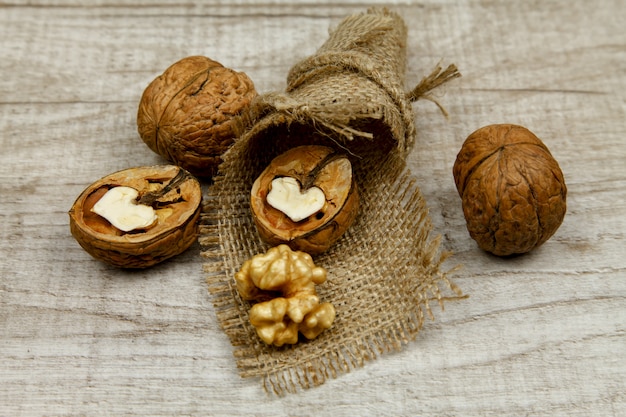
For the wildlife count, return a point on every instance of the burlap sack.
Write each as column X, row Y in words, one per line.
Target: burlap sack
column 384, row 272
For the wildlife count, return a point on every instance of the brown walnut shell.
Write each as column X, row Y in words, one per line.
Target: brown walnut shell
column 512, row 189
column 177, row 208
column 193, row 112
column 311, row 166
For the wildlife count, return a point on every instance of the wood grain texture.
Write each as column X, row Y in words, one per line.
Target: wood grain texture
column 541, row 334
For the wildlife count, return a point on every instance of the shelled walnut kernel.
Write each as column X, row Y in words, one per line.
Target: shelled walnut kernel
column 284, row 282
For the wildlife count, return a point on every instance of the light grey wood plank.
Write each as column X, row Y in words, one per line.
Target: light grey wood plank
column 541, row 334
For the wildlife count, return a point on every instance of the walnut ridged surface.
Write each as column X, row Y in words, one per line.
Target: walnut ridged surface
column 513, row 190
column 193, row 112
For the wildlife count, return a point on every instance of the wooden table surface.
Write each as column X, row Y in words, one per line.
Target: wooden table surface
column 541, row 334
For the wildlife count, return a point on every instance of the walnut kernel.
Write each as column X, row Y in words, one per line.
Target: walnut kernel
column 283, row 281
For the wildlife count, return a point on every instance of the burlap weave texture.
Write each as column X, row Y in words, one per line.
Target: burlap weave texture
column 384, row 272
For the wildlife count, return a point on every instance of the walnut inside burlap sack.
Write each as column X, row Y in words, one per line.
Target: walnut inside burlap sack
column 384, row 272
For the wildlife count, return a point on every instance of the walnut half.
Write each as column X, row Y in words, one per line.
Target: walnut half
column 138, row 217
column 306, row 198
column 512, row 189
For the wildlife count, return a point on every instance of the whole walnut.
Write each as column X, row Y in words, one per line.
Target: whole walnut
column 193, row 112
column 512, row 189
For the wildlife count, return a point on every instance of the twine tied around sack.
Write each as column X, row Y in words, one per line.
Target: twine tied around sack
column 386, row 270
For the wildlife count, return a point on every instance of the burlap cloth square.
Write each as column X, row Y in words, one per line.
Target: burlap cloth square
column 385, row 271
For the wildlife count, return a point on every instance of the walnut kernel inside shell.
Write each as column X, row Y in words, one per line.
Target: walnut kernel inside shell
column 312, row 167
column 173, row 193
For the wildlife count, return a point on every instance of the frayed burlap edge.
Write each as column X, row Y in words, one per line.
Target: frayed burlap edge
column 383, row 276
column 384, row 273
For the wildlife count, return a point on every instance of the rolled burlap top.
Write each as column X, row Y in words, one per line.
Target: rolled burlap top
column 384, row 272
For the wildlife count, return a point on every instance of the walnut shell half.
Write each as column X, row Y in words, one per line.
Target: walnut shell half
column 171, row 191
column 312, row 168
column 193, row 112
column 512, row 189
